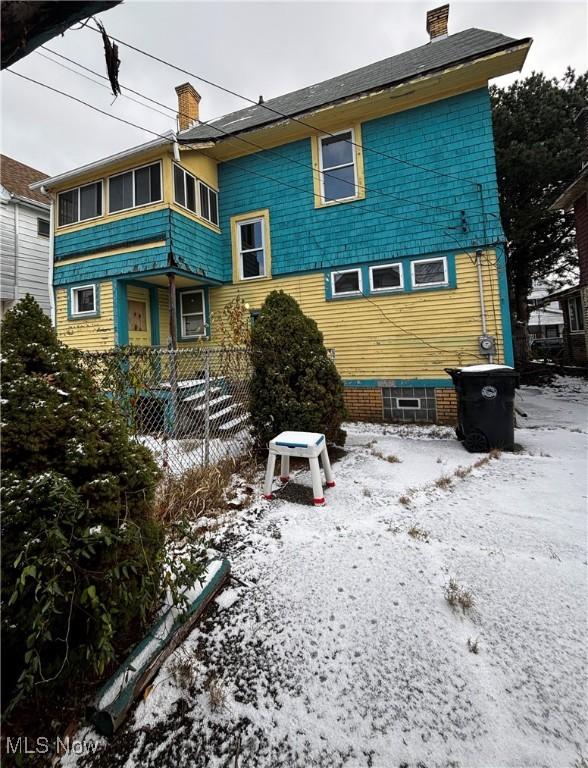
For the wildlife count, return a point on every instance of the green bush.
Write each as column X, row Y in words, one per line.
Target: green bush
column 295, row 384
column 82, row 555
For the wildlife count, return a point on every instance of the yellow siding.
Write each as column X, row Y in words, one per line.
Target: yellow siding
column 94, row 334
column 202, row 166
column 404, row 336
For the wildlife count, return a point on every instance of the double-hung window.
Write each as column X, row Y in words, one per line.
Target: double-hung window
column 185, row 189
column 193, row 314
column 83, row 300
column 251, row 244
column 575, row 314
column 429, row 273
column 80, row 204
column 131, row 189
column 338, row 170
column 386, row 277
column 347, row 282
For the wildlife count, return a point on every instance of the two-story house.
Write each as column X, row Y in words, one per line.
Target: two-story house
column 371, row 198
column 24, row 235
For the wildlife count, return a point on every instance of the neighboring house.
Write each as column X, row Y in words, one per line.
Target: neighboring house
column 24, row 235
column 546, row 318
column 373, row 203
column 574, row 301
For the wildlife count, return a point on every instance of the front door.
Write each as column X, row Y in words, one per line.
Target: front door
column 139, row 316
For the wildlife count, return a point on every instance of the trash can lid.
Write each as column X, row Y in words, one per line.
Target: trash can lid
column 485, row 368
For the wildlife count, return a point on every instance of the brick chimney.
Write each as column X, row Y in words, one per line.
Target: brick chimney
column 437, row 22
column 188, row 101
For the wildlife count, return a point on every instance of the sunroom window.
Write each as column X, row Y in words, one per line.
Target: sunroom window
column 134, row 188
column 184, row 189
column 346, row 283
column 80, row 204
column 208, row 203
column 251, row 249
column 427, row 273
column 337, row 165
column 387, row 277
column 192, row 314
column 83, row 300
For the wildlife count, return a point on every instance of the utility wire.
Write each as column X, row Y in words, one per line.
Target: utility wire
column 248, row 171
column 272, row 151
column 282, row 114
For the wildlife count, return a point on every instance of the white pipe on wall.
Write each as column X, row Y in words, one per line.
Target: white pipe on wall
column 482, row 302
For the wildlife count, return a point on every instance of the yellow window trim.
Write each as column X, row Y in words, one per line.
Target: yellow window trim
column 235, row 221
column 319, row 201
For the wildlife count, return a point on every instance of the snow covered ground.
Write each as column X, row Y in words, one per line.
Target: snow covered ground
column 341, row 649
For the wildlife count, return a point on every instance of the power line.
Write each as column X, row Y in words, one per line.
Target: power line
column 282, row 114
column 255, row 173
column 272, row 151
column 97, row 82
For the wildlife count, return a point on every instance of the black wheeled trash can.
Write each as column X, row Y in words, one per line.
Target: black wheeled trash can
column 485, row 397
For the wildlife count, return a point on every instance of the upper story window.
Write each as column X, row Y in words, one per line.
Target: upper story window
column 208, row 204
column 195, row 195
column 80, row 204
column 428, row 273
column 346, row 282
column 42, row 228
column 251, row 248
column 131, row 189
column 338, row 167
column 83, row 300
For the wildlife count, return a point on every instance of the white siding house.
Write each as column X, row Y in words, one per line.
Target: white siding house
column 24, row 236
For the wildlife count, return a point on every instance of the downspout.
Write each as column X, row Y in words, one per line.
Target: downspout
column 16, row 249
column 482, row 302
column 51, row 254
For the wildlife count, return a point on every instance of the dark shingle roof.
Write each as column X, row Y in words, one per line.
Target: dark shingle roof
column 431, row 57
column 16, row 177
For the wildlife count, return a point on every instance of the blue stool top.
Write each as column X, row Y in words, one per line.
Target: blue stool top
column 298, row 439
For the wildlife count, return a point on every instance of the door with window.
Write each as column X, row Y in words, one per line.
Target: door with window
column 138, row 310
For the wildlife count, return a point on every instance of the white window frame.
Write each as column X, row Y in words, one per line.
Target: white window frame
column 73, row 306
column 419, row 286
column 133, row 171
column 210, row 189
column 384, row 266
column 336, row 294
column 183, row 315
column 408, row 407
column 324, row 200
column 240, row 250
column 77, row 189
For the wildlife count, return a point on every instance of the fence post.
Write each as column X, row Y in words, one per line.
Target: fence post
column 172, row 409
column 206, row 408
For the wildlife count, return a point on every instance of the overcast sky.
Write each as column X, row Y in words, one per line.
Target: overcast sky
column 253, row 48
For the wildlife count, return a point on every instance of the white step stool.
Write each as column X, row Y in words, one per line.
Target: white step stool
column 305, row 445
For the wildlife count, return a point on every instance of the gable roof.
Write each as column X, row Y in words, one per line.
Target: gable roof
column 431, row 57
column 16, row 177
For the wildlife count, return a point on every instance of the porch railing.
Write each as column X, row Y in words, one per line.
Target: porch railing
column 190, row 407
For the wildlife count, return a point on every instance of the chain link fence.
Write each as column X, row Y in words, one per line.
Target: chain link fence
column 190, row 407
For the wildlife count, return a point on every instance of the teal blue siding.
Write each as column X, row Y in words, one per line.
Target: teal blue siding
column 453, row 137
column 144, row 228
column 196, row 248
column 121, row 264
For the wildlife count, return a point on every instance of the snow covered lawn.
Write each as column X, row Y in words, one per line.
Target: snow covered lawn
column 341, row 650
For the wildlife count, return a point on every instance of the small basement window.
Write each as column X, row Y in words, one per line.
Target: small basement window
column 387, row 277
column 83, row 300
column 408, row 402
column 427, row 273
column 42, row 227
column 346, row 283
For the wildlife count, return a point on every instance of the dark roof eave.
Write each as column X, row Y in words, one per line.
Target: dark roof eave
column 380, row 87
